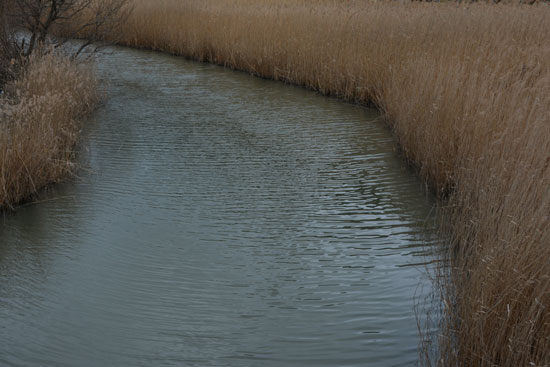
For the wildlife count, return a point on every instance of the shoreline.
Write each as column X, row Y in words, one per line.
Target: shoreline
column 464, row 89
column 43, row 112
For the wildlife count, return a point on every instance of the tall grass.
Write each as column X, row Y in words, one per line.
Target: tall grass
column 466, row 90
column 39, row 125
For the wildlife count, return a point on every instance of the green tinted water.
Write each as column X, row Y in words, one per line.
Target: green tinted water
column 219, row 220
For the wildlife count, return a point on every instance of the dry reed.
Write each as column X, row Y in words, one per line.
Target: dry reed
column 466, row 90
column 38, row 124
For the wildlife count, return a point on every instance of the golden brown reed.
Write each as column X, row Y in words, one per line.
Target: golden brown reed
column 38, row 124
column 466, row 90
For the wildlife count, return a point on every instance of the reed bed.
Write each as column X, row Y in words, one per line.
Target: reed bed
column 466, row 88
column 39, row 114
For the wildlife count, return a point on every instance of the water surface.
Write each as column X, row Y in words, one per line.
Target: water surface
column 218, row 220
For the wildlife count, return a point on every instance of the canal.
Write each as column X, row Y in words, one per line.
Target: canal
column 218, row 219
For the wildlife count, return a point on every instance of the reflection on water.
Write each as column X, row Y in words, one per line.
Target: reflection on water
column 221, row 220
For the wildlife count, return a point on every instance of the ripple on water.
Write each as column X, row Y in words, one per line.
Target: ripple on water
column 220, row 220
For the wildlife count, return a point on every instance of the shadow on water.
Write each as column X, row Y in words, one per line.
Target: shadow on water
column 221, row 220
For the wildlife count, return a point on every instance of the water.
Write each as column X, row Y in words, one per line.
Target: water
column 218, row 220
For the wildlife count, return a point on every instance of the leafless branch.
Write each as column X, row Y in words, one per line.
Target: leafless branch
column 53, row 22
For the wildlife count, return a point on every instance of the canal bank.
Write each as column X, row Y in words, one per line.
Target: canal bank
column 41, row 114
column 465, row 89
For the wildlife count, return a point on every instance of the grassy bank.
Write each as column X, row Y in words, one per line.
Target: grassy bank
column 39, row 114
column 466, row 90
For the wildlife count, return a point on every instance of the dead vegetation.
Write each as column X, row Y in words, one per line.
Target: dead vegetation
column 466, row 89
column 44, row 88
column 39, row 124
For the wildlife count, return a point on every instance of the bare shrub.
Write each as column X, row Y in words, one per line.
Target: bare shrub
column 41, row 17
column 44, row 91
column 8, row 50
